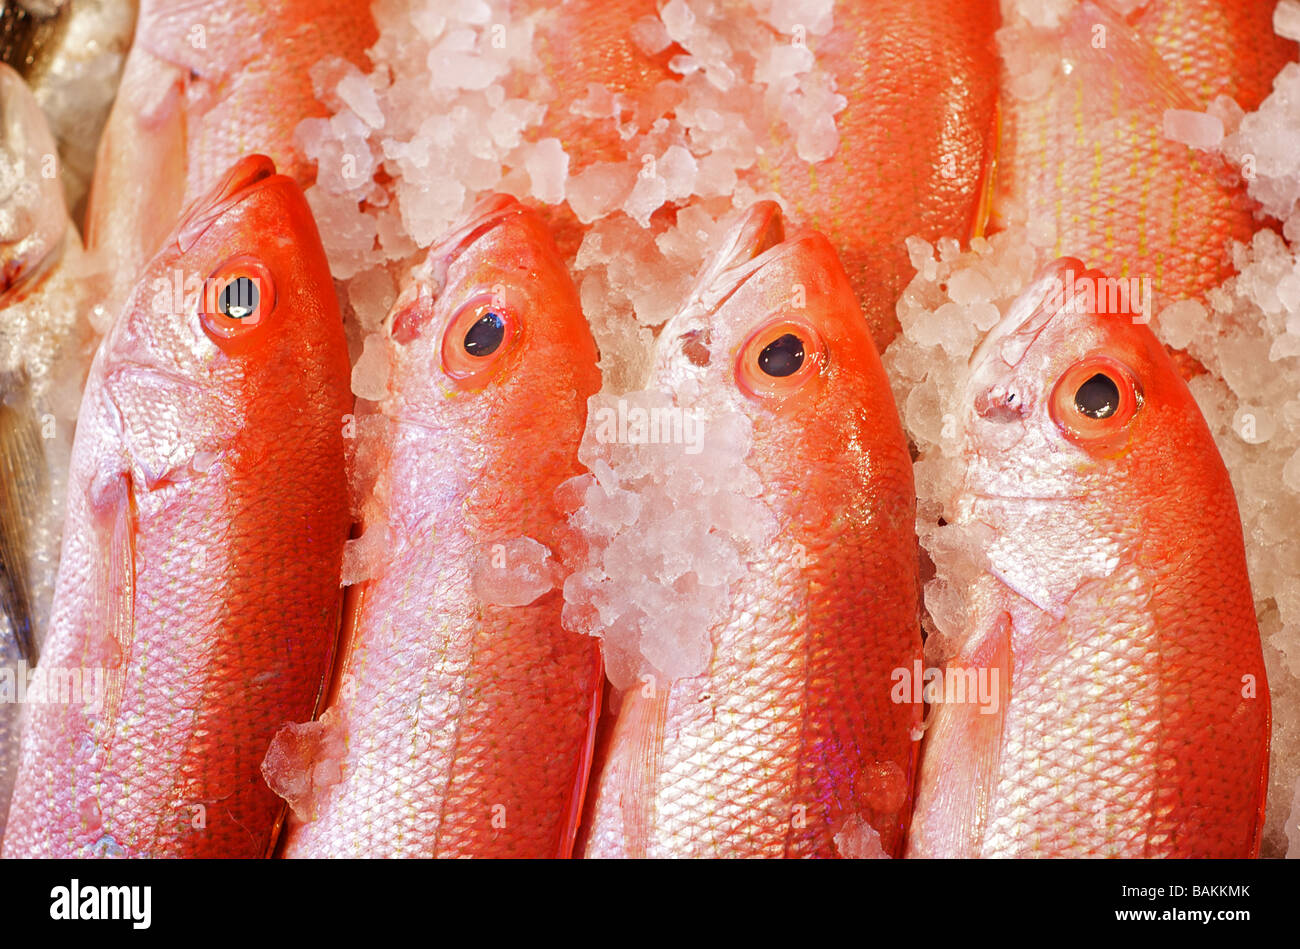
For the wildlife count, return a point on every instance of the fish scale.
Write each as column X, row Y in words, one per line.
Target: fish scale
column 1088, row 159
column 44, row 353
column 1216, row 48
column 1109, row 772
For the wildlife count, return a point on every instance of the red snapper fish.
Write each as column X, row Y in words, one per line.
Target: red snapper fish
column 205, row 84
column 198, row 597
column 790, row 738
column 462, row 718
column 1109, row 610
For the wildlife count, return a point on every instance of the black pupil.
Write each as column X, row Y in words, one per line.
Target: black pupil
column 239, row 298
column 484, row 337
column 1098, row 397
column 782, row 357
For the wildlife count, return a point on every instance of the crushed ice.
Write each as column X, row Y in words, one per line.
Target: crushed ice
column 667, row 527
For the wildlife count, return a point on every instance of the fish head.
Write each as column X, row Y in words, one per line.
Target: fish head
column 1068, row 386
column 487, row 343
column 33, row 216
column 1080, row 438
column 773, row 330
column 236, row 309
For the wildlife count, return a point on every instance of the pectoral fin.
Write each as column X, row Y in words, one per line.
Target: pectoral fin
column 639, row 736
column 962, row 754
column 112, row 631
column 22, row 492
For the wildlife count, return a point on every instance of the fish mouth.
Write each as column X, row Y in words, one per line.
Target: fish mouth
column 247, row 176
column 1031, row 313
column 760, row 230
column 487, row 214
column 18, row 275
column 758, row 239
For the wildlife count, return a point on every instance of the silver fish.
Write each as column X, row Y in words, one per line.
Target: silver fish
column 44, row 353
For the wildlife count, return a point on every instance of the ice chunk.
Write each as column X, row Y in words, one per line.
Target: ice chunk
column 818, row 138
column 670, row 520
column 678, row 20
column 304, row 761
column 650, row 35
column 600, row 189
column 514, row 572
column 347, row 232
column 365, row 442
column 371, row 293
column 1181, row 322
column 1286, row 19
column 364, row 558
column 677, row 167
column 648, row 195
column 548, row 167
column 358, row 94
column 858, row 840
column 970, row 286
column 783, row 62
column 1197, row 129
column 370, row 374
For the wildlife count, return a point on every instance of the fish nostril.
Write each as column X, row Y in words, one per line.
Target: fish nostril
column 1000, row 404
column 695, row 347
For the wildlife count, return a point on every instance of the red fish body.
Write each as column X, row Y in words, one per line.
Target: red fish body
column 461, row 724
column 198, row 595
column 916, row 139
column 1085, row 156
column 1112, row 616
column 44, row 353
column 790, row 737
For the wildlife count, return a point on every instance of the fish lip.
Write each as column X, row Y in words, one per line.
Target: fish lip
column 752, row 250
column 16, row 281
column 761, row 229
column 486, row 215
column 759, row 237
column 248, row 176
column 1026, row 319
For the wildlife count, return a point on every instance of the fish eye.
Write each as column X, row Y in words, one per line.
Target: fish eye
column 780, row 358
column 485, row 336
column 1098, row 397
column 238, row 298
column 478, row 336
column 1095, row 400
